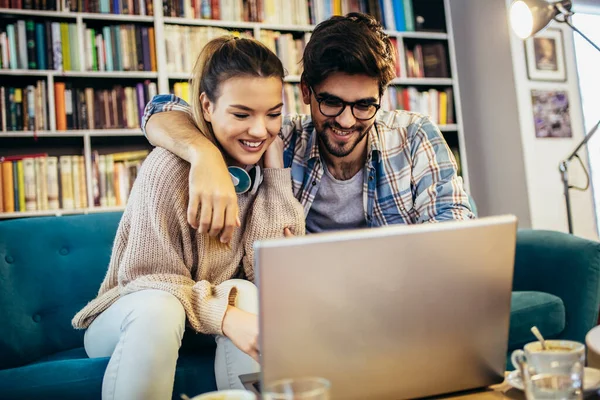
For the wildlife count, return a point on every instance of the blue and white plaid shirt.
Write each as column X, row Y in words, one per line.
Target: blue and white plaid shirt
column 411, row 174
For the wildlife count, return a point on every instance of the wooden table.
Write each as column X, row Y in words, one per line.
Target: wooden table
column 502, row 391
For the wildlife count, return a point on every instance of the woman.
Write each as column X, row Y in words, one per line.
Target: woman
column 163, row 273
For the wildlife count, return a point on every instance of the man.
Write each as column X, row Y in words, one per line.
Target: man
column 352, row 166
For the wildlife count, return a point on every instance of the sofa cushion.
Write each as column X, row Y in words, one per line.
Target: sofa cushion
column 529, row 309
column 71, row 375
column 50, row 267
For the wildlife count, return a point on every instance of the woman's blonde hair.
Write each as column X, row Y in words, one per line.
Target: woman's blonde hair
column 223, row 58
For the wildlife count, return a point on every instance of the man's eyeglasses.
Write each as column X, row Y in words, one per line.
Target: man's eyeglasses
column 332, row 107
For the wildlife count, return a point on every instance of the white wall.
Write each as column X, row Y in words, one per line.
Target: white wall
column 510, row 170
column 588, row 65
column 542, row 156
column 490, row 113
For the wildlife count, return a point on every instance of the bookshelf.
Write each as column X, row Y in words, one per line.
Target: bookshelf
column 91, row 143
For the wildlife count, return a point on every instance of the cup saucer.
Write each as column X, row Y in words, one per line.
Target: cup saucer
column 591, row 380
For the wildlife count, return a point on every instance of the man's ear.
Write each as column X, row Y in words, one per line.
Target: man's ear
column 305, row 92
column 206, row 105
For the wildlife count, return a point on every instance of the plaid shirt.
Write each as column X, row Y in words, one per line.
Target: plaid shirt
column 410, row 172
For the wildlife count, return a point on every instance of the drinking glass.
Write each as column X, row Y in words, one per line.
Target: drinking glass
column 559, row 380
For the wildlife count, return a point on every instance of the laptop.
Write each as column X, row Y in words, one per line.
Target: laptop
column 389, row 313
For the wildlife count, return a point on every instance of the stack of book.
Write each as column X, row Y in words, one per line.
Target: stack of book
column 36, row 45
column 24, row 109
column 38, row 182
column 92, row 108
column 113, row 176
column 437, row 105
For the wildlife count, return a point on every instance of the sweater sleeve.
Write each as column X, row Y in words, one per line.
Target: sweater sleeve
column 274, row 209
column 161, row 249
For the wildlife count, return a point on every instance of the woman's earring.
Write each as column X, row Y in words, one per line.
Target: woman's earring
column 241, row 179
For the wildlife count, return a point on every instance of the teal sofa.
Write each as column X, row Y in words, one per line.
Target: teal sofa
column 50, row 267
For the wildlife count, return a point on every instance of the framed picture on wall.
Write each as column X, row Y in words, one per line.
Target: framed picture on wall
column 545, row 54
column 551, row 114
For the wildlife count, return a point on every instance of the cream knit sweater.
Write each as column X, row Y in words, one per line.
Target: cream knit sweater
column 155, row 248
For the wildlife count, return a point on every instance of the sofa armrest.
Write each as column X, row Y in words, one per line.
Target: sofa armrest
column 565, row 266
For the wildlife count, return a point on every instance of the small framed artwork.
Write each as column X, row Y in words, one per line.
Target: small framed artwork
column 545, row 56
column 551, row 114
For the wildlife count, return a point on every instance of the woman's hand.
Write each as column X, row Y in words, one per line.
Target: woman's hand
column 241, row 328
column 273, row 157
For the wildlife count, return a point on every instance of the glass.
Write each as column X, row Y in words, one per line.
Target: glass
column 332, row 107
column 298, row 389
column 560, row 380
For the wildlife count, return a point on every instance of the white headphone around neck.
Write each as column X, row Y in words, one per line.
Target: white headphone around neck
column 246, row 180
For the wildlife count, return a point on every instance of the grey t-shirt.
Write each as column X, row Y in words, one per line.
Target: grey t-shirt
column 337, row 205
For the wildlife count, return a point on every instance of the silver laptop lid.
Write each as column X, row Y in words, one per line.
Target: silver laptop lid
column 389, row 313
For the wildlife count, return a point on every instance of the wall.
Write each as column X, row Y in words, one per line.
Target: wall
column 542, row 156
column 510, row 169
column 588, row 62
column 587, row 6
column 490, row 113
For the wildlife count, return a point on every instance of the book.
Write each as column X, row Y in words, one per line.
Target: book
column 8, row 186
column 60, row 106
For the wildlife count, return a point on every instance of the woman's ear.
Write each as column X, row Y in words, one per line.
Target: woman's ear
column 206, row 105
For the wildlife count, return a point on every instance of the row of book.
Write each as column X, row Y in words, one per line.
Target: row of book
column 292, row 97
column 437, row 104
column 120, row 107
column 395, row 15
column 288, row 12
column 28, row 45
column 24, row 108
column 120, row 48
column 55, row 45
column 123, row 7
column 184, row 43
column 113, row 176
column 37, row 182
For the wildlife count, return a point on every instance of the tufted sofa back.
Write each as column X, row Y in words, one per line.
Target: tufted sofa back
column 50, row 267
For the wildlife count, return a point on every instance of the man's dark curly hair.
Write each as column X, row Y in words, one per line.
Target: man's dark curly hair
column 354, row 44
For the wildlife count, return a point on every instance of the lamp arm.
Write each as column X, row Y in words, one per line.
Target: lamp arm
column 568, row 22
column 583, row 142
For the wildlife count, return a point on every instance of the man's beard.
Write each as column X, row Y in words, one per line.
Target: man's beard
column 336, row 149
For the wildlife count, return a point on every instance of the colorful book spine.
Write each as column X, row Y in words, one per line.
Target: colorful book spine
column 40, row 39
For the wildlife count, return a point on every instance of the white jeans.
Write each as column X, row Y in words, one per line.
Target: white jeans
column 142, row 332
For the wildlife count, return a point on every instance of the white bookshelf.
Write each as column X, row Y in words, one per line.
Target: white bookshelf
column 163, row 78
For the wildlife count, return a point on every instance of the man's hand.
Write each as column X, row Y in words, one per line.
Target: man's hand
column 241, row 328
column 273, row 157
column 212, row 191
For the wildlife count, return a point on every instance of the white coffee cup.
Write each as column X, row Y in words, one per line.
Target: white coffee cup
column 226, row 395
column 564, row 351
